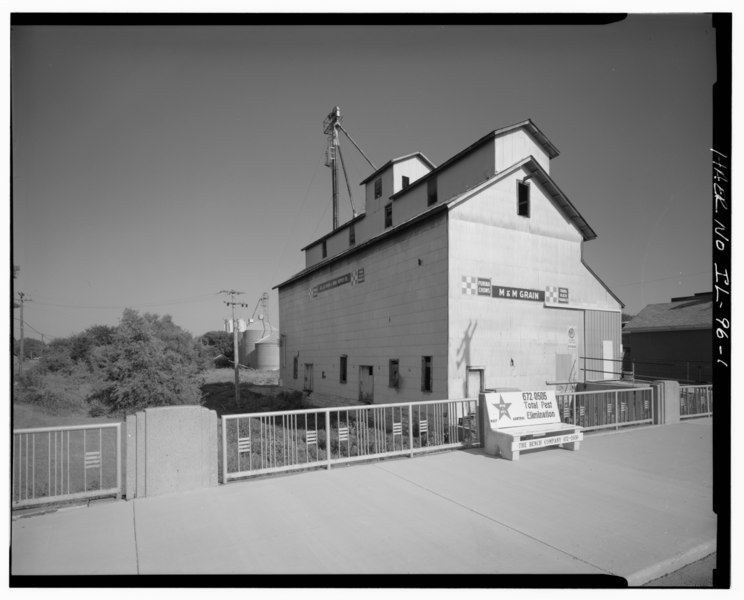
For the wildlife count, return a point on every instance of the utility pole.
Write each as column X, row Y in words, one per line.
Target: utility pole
column 233, row 304
column 21, row 299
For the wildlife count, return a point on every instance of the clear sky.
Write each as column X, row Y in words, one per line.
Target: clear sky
column 155, row 166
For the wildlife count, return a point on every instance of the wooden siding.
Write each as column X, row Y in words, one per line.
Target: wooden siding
column 398, row 312
column 600, row 326
column 475, row 168
column 489, row 240
column 374, row 208
column 516, row 145
column 413, row 168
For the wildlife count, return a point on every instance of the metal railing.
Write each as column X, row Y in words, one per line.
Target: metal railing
column 695, row 401
column 260, row 443
column 605, row 409
column 56, row 464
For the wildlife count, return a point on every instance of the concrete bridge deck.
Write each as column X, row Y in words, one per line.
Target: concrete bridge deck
column 635, row 504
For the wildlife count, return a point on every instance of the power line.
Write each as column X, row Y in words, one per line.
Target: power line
column 34, row 329
column 193, row 300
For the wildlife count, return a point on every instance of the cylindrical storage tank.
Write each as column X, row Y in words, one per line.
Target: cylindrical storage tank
column 267, row 352
column 247, row 346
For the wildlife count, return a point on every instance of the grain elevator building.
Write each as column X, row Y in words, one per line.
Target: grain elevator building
column 454, row 279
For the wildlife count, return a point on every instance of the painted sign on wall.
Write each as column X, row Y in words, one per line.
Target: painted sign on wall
column 572, row 337
column 556, row 295
column 499, row 291
column 355, row 277
column 512, row 409
column 481, row 286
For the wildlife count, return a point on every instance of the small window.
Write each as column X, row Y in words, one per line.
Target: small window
column 393, row 373
column 431, row 191
column 342, row 369
column 325, row 249
column 295, row 363
column 388, row 215
column 523, row 199
column 406, row 181
column 352, row 236
column 426, row 374
column 378, row 187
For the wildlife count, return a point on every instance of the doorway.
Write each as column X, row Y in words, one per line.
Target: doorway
column 308, row 384
column 475, row 382
column 366, row 384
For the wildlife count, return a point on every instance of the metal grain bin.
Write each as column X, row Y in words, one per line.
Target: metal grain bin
column 267, row 352
column 247, row 346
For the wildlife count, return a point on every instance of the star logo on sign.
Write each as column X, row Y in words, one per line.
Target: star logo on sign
column 503, row 407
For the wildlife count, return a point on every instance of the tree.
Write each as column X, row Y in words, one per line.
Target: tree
column 220, row 341
column 57, row 356
column 150, row 362
column 84, row 343
column 32, row 348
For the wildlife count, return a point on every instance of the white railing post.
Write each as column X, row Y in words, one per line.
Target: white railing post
column 224, row 449
column 410, row 431
column 328, row 438
column 617, row 411
column 119, row 455
column 574, row 399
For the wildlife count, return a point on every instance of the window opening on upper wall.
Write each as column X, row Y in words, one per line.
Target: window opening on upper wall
column 378, row 187
column 523, row 199
column 431, row 191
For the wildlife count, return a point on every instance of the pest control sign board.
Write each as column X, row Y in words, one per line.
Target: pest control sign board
column 513, row 409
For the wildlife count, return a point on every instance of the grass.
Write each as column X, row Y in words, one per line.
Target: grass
column 259, row 392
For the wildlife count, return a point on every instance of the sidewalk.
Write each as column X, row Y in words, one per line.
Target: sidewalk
column 636, row 504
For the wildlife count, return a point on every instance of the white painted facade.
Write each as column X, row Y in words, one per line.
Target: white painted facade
column 433, row 284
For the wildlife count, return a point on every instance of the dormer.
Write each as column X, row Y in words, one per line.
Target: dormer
column 392, row 177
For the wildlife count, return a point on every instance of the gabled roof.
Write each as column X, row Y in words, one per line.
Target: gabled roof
column 536, row 172
column 530, row 164
column 330, row 234
column 679, row 315
column 397, row 160
column 541, row 138
column 422, row 216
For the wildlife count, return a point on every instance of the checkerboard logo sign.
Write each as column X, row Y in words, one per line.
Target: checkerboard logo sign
column 556, row 295
column 469, row 285
column 357, row 276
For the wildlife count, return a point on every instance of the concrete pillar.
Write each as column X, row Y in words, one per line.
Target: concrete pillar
column 666, row 402
column 171, row 449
